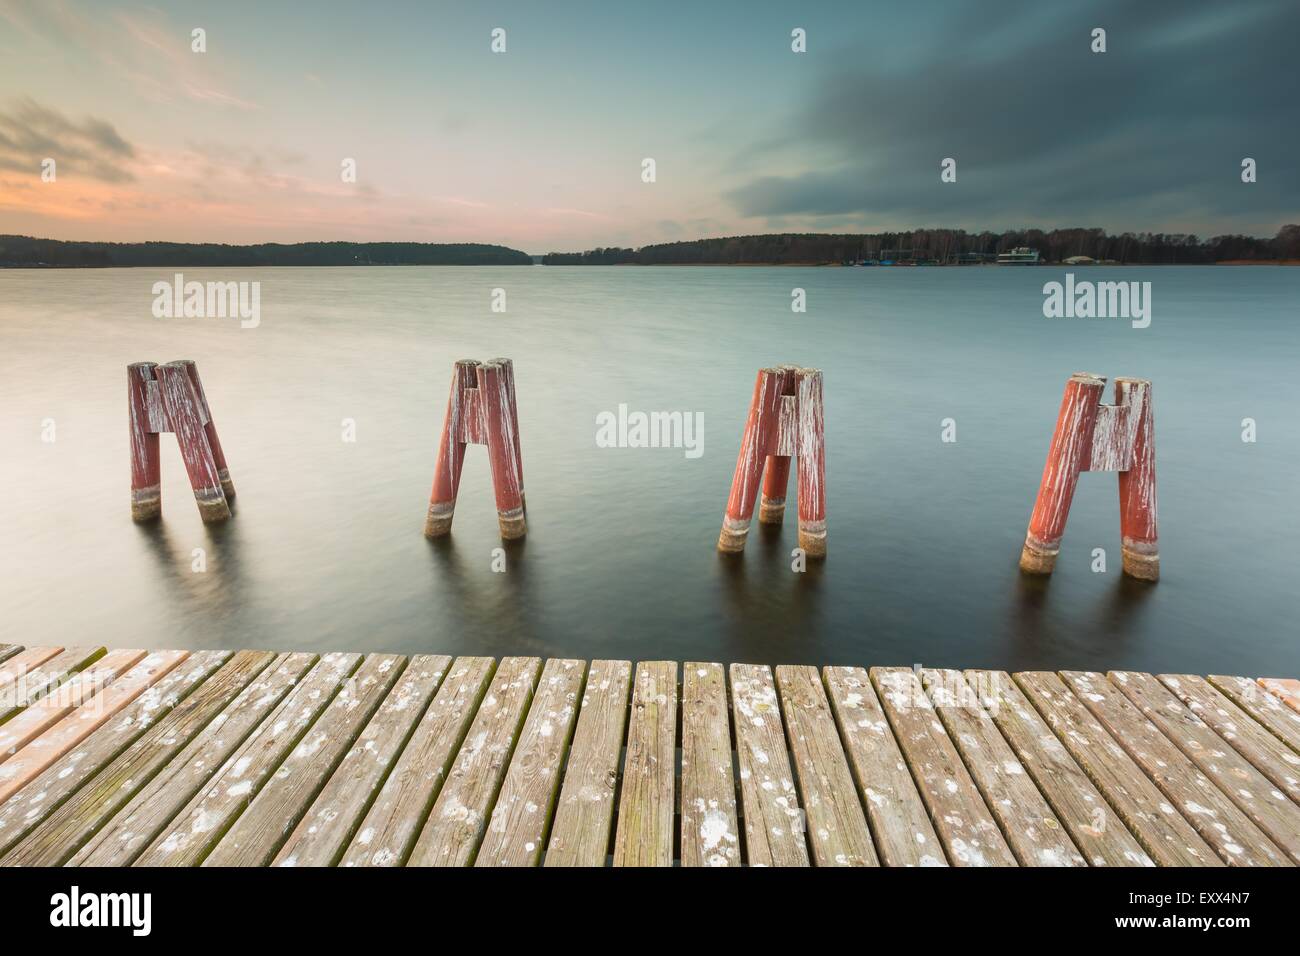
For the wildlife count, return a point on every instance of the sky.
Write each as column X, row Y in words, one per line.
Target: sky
column 541, row 147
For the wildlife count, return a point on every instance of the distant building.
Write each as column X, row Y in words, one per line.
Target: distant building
column 1019, row 256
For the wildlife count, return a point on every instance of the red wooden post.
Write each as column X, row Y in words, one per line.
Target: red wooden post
column 508, row 375
column 755, row 445
column 480, row 410
column 1090, row 436
column 776, row 470
column 184, row 415
column 1067, row 455
column 451, row 452
column 499, row 416
column 218, row 455
column 812, row 465
column 146, row 472
column 776, row 482
column 1137, row 485
column 785, row 421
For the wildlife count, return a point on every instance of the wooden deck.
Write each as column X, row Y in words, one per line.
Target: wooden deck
column 176, row 758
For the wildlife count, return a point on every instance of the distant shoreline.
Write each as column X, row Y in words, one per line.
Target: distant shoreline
column 925, row 248
column 656, row 265
column 30, row 252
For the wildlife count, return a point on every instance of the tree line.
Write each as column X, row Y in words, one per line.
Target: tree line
column 20, row 251
column 946, row 245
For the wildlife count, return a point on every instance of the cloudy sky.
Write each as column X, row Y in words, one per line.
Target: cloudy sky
column 541, row 147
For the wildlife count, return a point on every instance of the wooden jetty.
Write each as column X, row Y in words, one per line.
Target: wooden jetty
column 257, row 758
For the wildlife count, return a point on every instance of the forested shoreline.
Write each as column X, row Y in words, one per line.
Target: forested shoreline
column 948, row 246
column 921, row 246
column 26, row 251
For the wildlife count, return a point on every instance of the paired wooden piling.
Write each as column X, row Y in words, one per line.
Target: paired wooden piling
column 1090, row 436
column 785, row 421
column 170, row 398
column 481, row 409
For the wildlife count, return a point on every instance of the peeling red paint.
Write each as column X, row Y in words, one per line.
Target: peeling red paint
column 784, row 422
column 146, row 469
column 170, row 398
column 481, row 410
column 1090, row 436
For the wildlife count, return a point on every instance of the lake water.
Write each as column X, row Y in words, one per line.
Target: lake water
column 325, row 550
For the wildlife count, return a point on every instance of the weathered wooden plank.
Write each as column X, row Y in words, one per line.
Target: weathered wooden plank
column 516, row 832
column 580, row 835
column 75, row 727
column 965, row 827
column 21, row 663
column 190, row 837
column 1285, row 689
column 29, row 806
column 836, row 825
column 1274, row 759
column 62, row 700
column 456, row 823
column 1077, row 803
column 1164, row 834
column 152, row 807
column 257, row 834
column 30, row 685
column 644, row 834
column 896, row 813
column 325, row 830
column 79, row 817
column 1274, row 715
column 1028, row 822
column 8, row 650
column 774, row 822
column 1218, row 820
column 393, row 823
column 1254, row 794
column 710, row 835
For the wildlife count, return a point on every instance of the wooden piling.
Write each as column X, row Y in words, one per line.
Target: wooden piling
column 210, row 429
column 451, row 452
column 784, row 422
column 170, row 398
column 184, row 414
column 776, row 470
column 758, row 438
column 146, row 471
column 499, row 417
column 482, row 410
column 508, row 377
column 776, row 481
column 1090, row 436
column 1137, row 485
column 1066, row 456
column 812, row 465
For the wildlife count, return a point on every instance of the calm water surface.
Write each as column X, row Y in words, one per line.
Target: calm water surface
column 326, row 552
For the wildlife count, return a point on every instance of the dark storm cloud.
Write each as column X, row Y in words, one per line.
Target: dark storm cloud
column 1150, row 134
column 30, row 132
